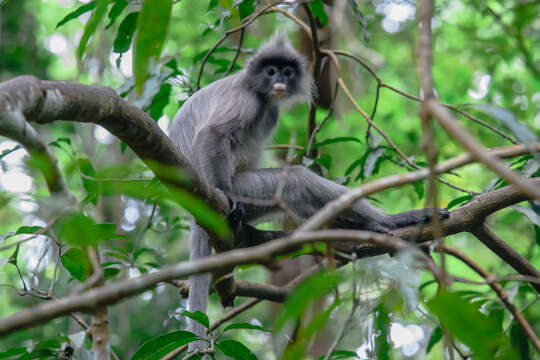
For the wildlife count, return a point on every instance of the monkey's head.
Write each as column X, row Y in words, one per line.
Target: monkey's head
column 279, row 72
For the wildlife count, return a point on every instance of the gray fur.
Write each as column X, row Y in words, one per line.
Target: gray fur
column 221, row 131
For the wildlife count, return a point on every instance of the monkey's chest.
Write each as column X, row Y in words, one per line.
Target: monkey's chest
column 246, row 157
column 247, row 143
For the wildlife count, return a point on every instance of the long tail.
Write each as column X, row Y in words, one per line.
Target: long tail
column 199, row 246
column 413, row 217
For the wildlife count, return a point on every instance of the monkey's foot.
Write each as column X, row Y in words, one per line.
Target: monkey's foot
column 414, row 217
column 443, row 214
column 236, row 216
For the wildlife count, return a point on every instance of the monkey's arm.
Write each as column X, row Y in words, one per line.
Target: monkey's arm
column 213, row 157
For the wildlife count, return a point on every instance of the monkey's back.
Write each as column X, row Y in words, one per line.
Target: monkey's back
column 230, row 106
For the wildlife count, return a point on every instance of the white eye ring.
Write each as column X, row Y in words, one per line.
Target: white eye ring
column 271, row 71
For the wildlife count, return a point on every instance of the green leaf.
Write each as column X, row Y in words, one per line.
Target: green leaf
column 13, row 258
column 309, row 290
column 373, row 161
column 124, row 36
column 153, row 24
column 203, row 213
column 245, row 326
column 236, row 350
column 519, row 341
column 458, row 201
column 482, row 334
column 92, row 188
column 382, row 324
column 211, row 5
column 78, row 229
column 317, row 8
column 140, row 251
column 434, row 338
column 160, row 100
column 91, row 25
column 9, row 151
column 521, row 130
column 28, row 230
column 336, row 140
column 324, row 160
column 533, row 216
column 419, row 189
column 305, row 334
column 76, row 263
column 198, row 316
column 245, row 7
column 353, row 166
column 13, row 352
column 116, row 10
column 110, row 272
column 340, row 354
column 76, row 13
column 161, row 345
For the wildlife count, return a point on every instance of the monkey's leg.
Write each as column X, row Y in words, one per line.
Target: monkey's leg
column 304, row 193
column 199, row 247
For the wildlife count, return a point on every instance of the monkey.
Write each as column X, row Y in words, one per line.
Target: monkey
column 221, row 130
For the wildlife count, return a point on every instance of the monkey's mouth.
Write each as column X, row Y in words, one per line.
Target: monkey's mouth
column 279, row 93
column 279, row 90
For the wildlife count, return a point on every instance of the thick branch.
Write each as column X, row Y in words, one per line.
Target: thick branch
column 15, row 127
column 48, row 101
column 464, row 219
column 115, row 292
column 245, row 288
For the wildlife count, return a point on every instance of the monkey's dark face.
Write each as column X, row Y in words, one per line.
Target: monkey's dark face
column 276, row 78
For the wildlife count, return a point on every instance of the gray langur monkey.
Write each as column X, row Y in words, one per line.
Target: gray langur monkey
column 221, row 131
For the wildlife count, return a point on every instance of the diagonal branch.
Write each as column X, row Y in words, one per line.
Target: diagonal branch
column 114, row 292
column 507, row 253
column 462, row 219
column 48, row 101
column 433, row 108
column 503, row 296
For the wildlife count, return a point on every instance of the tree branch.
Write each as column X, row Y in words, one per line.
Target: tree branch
column 520, row 263
column 462, row 219
column 48, row 101
column 503, row 296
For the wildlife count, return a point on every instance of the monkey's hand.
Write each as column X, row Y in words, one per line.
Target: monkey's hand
column 236, row 216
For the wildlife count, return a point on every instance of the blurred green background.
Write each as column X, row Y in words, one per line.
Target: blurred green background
column 485, row 52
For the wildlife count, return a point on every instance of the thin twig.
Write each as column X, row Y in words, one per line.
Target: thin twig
column 316, row 70
column 323, row 121
column 425, row 64
column 354, row 306
column 56, row 266
column 229, row 32
column 237, row 53
column 382, row 84
column 507, row 253
column 501, row 293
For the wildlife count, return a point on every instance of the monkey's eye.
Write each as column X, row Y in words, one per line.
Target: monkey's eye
column 271, row 71
column 287, row 72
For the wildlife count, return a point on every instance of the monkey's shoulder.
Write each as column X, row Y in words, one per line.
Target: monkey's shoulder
column 230, row 100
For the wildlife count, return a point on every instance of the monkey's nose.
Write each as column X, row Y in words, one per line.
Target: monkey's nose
column 279, row 89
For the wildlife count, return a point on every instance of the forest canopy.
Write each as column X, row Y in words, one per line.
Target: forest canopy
column 419, row 104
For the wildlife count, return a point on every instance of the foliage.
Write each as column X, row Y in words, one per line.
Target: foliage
column 151, row 52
